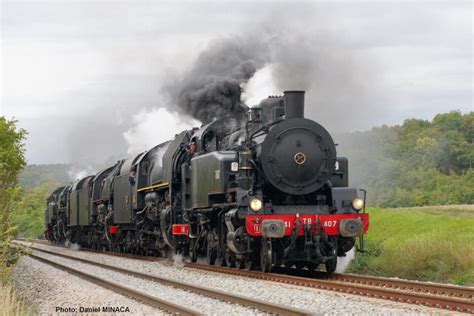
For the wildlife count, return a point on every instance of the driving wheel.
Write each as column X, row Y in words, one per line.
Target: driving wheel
column 266, row 255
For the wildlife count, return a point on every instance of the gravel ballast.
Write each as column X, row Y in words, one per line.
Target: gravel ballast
column 196, row 302
column 52, row 291
column 314, row 300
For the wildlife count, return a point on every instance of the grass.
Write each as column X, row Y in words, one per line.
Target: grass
column 11, row 303
column 423, row 243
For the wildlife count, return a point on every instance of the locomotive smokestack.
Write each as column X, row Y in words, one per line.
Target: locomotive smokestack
column 294, row 104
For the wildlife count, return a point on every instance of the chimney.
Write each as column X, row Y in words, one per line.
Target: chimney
column 294, row 104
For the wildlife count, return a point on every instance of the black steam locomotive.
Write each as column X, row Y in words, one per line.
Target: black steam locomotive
column 264, row 191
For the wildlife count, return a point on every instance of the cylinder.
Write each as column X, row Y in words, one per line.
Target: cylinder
column 294, row 104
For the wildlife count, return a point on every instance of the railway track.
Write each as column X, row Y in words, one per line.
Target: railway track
column 460, row 299
column 106, row 252
column 126, row 291
column 466, row 293
column 450, row 297
column 231, row 298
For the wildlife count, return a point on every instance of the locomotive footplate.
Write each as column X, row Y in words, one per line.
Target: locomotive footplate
column 346, row 225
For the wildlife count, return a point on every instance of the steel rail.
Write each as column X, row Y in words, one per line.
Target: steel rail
column 444, row 302
column 232, row 298
column 433, row 288
column 137, row 295
column 101, row 251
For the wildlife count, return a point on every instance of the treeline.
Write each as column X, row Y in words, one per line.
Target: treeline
column 416, row 163
column 34, row 175
column 36, row 183
column 29, row 215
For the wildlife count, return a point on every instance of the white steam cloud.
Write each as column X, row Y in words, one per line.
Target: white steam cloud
column 343, row 262
column 260, row 86
column 76, row 173
column 154, row 127
column 178, row 260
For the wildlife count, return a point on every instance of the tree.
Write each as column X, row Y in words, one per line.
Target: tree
column 12, row 161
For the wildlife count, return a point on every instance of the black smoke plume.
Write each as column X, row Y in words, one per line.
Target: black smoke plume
column 212, row 87
column 336, row 82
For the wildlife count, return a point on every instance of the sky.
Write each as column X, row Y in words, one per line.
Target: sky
column 88, row 79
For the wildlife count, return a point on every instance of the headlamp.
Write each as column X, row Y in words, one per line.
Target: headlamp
column 357, row 204
column 256, row 204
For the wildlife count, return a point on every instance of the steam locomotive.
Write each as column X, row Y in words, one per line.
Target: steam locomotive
column 265, row 191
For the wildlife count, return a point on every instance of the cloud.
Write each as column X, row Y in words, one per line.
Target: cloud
column 78, row 75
